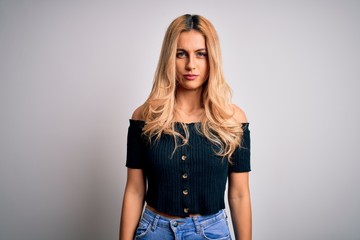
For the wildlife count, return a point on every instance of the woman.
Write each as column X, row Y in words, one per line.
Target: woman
column 184, row 143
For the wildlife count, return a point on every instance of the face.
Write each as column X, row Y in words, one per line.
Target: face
column 192, row 67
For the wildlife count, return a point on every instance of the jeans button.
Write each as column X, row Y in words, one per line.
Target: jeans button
column 175, row 224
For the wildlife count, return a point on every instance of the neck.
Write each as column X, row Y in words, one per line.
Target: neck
column 188, row 101
column 188, row 107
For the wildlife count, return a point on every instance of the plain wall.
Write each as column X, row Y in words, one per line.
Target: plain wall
column 72, row 72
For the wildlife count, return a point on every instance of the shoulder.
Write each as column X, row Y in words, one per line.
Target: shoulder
column 239, row 114
column 138, row 113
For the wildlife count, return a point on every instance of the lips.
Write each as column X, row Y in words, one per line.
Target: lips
column 190, row 76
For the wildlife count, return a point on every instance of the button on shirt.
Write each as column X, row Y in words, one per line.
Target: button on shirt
column 189, row 180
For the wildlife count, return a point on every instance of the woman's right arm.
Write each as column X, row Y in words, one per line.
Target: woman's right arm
column 133, row 203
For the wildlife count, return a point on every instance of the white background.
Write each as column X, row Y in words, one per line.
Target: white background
column 72, row 72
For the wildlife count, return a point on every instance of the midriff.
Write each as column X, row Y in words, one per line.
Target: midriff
column 167, row 215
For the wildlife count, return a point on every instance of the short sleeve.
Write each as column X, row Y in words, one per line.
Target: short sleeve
column 135, row 145
column 241, row 157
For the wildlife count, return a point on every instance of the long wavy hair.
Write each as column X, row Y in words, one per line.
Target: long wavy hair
column 218, row 124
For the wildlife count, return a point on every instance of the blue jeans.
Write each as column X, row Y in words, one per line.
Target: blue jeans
column 155, row 226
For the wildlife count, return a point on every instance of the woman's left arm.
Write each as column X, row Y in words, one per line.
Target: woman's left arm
column 240, row 205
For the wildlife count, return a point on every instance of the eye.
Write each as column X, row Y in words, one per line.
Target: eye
column 180, row 54
column 201, row 54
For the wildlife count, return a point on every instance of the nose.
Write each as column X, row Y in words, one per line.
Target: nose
column 190, row 65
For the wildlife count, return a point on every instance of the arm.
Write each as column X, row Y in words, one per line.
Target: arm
column 240, row 205
column 133, row 203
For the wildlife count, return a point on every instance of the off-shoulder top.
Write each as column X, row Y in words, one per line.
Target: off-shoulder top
column 189, row 180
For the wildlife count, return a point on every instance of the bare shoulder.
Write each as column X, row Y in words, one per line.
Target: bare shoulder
column 239, row 114
column 138, row 113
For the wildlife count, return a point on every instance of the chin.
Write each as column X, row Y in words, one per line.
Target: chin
column 189, row 87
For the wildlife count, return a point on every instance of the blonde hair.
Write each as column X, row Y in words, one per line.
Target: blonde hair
column 218, row 124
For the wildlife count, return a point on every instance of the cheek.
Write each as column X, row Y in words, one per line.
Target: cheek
column 205, row 65
column 177, row 73
column 178, row 66
column 206, row 68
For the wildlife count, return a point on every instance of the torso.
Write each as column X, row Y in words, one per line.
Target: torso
column 167, row 215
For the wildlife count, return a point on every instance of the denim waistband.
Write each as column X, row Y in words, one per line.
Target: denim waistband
column 204, row 220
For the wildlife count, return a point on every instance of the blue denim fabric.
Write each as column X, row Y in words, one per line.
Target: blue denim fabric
column 154, row 226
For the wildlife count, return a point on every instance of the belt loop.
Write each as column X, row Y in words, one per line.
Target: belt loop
column 154, row 223
column 197, row 224
column 226, row 216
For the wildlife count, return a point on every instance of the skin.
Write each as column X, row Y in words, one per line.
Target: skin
column 239, row 196
column 191, row 58
column 133, row 203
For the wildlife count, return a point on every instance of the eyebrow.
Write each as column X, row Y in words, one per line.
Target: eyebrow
column 201, row 49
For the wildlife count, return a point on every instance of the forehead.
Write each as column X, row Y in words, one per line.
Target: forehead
column 191, row 40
